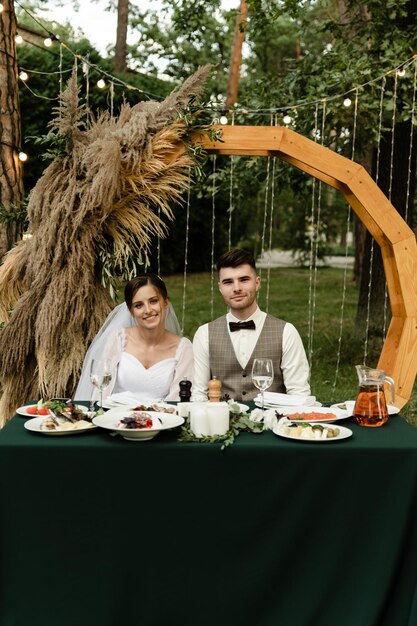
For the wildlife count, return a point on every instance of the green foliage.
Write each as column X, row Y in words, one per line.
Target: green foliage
column 16, row 214
column 238, row 423
column 185, row 34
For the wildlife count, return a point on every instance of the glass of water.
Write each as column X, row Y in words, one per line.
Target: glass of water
column 100, row 375
column 262, row 375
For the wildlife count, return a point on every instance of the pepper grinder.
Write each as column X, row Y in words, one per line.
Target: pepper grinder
column 214, row 389
column 185, row 390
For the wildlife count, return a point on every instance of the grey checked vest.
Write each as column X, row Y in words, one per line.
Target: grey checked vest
column 237, row 382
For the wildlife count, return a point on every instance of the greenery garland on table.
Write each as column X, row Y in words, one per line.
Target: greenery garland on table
column 239, row 422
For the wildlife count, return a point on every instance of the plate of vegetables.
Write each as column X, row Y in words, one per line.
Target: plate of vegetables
column 42, row 408
column 313, row 414
column 311, row 432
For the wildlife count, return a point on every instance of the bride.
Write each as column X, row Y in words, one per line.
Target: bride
column 141, row 338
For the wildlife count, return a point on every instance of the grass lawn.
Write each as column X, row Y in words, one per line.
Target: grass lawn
column 289, row 290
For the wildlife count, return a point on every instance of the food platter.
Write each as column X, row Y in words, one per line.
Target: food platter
column 22, row 410
column 161, row 421
column 344, row 433
column 34, row 425
column 321, row 413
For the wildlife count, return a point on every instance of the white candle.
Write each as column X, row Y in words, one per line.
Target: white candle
column 218, row 417
column 199, row 423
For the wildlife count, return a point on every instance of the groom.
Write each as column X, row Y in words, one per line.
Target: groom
column 226, row 347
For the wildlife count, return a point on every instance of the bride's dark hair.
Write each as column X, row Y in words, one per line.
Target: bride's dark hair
column 140, row 281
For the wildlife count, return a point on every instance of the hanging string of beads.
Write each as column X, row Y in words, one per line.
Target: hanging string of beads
column 231, row 206
column 410, row 149
column 265, row 215
column 213, row 223
column 345, row 269
column 311, row 256
column 187, row 234
column 271, row 221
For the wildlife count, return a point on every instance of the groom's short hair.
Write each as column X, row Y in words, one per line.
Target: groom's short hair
column 234, row 258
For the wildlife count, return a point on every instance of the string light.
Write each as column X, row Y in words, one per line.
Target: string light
column 399, row 71
column 223, row 120
column 1, row 7
column 23, row 156
column 23, row 75
column 287, row 119
column 18, row 39
column 47, row 42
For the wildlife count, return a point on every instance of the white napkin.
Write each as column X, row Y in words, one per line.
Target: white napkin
column 126, row 398
column 283, row 399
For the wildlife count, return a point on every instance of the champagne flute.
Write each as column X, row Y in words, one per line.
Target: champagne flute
column 100, row 375
column 262, row 375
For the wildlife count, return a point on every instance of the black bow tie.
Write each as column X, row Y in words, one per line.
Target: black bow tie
column 240, row 325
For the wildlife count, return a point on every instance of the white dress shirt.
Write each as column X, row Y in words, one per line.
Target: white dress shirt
column 294, row 364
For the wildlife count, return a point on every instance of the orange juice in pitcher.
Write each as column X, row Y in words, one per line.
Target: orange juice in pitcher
column 371, row 406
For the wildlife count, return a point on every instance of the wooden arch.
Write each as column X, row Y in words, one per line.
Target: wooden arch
column 397, row 241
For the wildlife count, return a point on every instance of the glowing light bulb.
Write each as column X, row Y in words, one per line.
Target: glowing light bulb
column 101, row 83
column 223, row 120
column 47, row 42
column 1, row 7
column 26, row 235
column 23, row 75
column 401, row 72
column 347, row 102
column 18, row 39
column 287, row 119
column 23, row 156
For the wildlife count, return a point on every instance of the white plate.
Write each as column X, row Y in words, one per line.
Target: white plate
column 350, row 404
column 34, row 425
column 327, row 413
column 22, row 410
column 279, row 407
column 108, row 404
column 161, row 421
column 344, row 433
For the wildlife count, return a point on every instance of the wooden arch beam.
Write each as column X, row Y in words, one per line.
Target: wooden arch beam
column 397, row 241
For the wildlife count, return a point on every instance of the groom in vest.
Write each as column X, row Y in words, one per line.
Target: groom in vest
column 226, row 347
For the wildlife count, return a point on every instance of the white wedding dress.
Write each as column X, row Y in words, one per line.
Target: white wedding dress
column 151, row 383
column 159, row 382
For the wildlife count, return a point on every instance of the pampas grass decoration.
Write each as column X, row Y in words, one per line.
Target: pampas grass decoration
column 105, row 192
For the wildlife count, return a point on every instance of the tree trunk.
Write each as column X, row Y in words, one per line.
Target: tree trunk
column 121, row 36
column 11, row 184
column 239, row 38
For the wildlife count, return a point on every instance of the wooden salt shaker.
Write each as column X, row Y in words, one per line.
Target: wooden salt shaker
column 214, row 389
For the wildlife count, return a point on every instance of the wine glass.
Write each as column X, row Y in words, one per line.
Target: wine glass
column 100, row 375
column 262, row 375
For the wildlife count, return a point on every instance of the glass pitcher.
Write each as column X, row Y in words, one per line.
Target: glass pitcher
column 371, row 407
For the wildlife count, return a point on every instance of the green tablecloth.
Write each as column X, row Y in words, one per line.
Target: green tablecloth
column 99, row 531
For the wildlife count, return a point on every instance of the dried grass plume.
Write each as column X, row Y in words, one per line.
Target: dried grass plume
column 112, row 189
